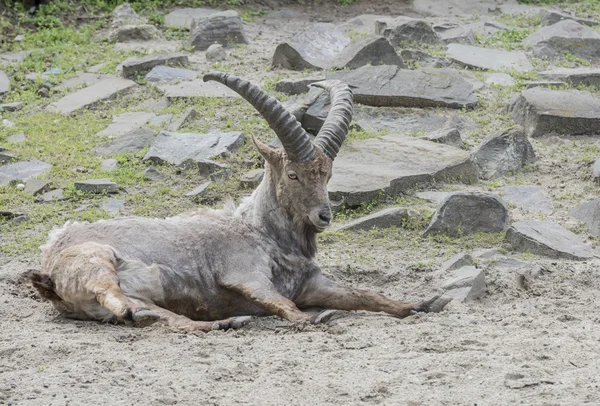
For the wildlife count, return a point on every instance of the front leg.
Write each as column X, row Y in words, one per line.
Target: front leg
column 320, row 291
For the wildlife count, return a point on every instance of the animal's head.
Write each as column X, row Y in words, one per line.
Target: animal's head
column 301, row 169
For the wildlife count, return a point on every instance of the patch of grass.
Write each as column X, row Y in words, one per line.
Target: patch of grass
column 506, row 39
column 357, row 135
column 251, row 15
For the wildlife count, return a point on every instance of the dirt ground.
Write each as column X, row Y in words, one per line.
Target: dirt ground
column 531, row 343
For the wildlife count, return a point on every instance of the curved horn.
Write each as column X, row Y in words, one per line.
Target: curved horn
column 336, row 126
column 295, row 140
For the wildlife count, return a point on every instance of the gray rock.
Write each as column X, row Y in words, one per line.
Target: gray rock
column 295, row 86
column 153, row 174
column 225, row 28
column 569, row 112
column 132, row 33
column 565, row 36
column 16, row 138
column 9, row 214
column 503, row 153
column 454, row 33
column 199, row 191
column 409, row 121
column 460, row 260
column 453, row 7
column 196, row 88
column 82, row 79
column 423, row 59
column 500, row 79
column 22, row 171
column 125, row 15
column 596, row 171
column 52, row 196
column 7, row 123
column 193, row 150
column 126, row 122
column 16, row 106
column 104, row 90
column 448, row 136
column 5, row 157
column 548, row 239
column 131, row 141
column 108, row 165
column 468, row 284
column 542, row 83
column 160, row 120
column 183, row 17
column 393, row 164
column 252, row 179
column 361, row 24
column 575, row 76
column 315, row 47
column 97, row 186
column 389, row 86
column 4, row 83
column 113, row 206
column 469, row 213
column 188, row 115
column 486, row 253
column 486, row 58
column 403, row 29
column 369, row 50
column 148, row 47
column 298, row 105
column 392, row 217
column 550, row 17
column 35, row 187
column 14, row 57
column 433, row 196
column 315, row 115
column 43, row 92
column 216, row 53
column 529, row 198
column 589, row 214
column 162, row 73
column 140, row 65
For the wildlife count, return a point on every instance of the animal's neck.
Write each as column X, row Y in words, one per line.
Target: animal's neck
column 262, row 209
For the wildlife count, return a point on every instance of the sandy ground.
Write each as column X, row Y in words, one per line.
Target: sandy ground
column 533, row 344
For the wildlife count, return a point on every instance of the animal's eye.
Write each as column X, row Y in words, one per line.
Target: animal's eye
column 292, row 176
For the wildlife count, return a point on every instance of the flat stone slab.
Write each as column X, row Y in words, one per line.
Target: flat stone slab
column 565, row 36
column 225, row 28
column 433, row 196
column 467, row 284
column 97, row 186
column 252, row 178
column 16, row 138
column 198, row 190
column 14, row 57
column 589, row 214
column 15, row 106
column 388, row 85
column 485, row 58
column 87, row 97
column 499, row 79
column 448, row 136
column 182, row 17
column 4, row 83
column 141, row 65
column 149, row 47
column 405, row 120
column 22, row 171
column 392, row 164
column 529, row 198
column 575, row 76
column 368, row 50
column 406, row 29
column 548, row 239
column 392, row 217
column 314, row 47
column 295, row 86
column 125, row 122
column 196, row 88
column 168, row 74
column 113, row 206
column 131, row 141
column 35, row 187
column 462, row 259
column 550, row 17
column 570, row 112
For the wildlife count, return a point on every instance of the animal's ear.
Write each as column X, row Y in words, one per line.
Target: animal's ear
column 273, row 156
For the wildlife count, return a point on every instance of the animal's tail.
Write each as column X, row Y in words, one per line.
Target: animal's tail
column 43, row 285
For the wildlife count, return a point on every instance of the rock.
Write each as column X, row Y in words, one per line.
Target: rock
column 225, row 28
column 188, row 115
column 468, row 284
column 4, row 83
column 369, row 50
column 125, row 15
column 162, row 119
column 9, row 214
column 575, row 76
column 82, row 79
column 469, row 213
column 406, row 29
column 565, row 36
column 503, row 153
column 113, row 206
column 547, row 239
column 148, row 47
column 196, row 88
column 315, row 47
column 486, row 253
column 529, row 198
column 16, row 106
column 22, row 171
column 89, row 96
column 162, row 73
column 448, row 136
column 392, row 164
column 5, row 157
column 500, row 79
column 486, row 58
column 542, row 83
column 453, row 7
column 137, row 66
column 108, row 165
column 216, row 53
column 131, row 33
column 126, row 122
column 315, row 115
column 43, row 92
column 183, row 17
column 16, row 138
column 97, row 186
column 596, row 171
column 550, row 17
column 7, row 123
column 153, row 174
column 410, row 121
column 252, row 179
column 454, row 33
column 14, row 57
column 51, row 196
column 295, row 86
column 589, row 214
column 20, row 186
column 392, row 217
column 97, row 68
column 423, row 59
column 387, row 85
column 361, row 24
column 569, row 112
column 131, row 141
column 460, row 260
column 35, row 187
column 193, row 150
column 199, row 191
column 433, row 196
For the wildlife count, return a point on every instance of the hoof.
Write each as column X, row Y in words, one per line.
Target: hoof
column 144, row 317
column 324, row 317
column 434, row 305
column 232, row 323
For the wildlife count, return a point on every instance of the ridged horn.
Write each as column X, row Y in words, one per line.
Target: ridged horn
column 295, row 140
column 333, row 132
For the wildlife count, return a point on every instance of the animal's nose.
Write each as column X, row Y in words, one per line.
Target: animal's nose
column 325, row 217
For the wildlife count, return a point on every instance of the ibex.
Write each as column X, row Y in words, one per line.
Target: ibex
column 214, row 269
